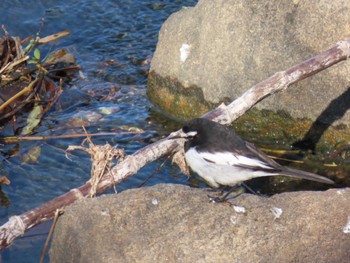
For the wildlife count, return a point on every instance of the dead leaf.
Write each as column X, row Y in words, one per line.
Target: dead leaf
column 33, row 120
column 179, row 159
column 32, row 156
column 53, row 37
column 4, row 180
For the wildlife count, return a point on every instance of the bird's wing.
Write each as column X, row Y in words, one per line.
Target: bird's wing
column 261, row 155
column 278, row 169
column 234, row 159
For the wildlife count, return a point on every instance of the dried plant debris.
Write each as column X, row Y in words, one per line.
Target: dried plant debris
column 179, row 159
column 4, row 201
column 30, row 80
column 101, row 159
column 4, row 180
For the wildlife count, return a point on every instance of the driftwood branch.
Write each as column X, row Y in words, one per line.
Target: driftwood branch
column 17, row 225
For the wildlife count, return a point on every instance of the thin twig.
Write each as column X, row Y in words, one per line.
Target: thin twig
column 27, row 89
column 154, row 172
column 57, row 214
column 16, row 139
column 11, row 65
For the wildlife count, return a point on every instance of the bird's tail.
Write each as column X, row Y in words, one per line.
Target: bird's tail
column 306, row 175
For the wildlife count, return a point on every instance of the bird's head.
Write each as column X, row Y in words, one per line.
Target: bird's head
column 190, row 129
column 196, row 131
column 198, row 126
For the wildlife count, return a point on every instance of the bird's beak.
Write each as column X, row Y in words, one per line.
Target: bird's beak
column 191, row 134
column 181, row 134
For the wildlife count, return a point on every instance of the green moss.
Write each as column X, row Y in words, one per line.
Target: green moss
column 170, row 96
column 262, row 126
column 271, row 127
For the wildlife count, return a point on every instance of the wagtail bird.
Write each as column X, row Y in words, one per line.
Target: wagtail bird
column 222, row 158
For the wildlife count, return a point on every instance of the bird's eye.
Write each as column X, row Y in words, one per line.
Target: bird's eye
column 185, row 129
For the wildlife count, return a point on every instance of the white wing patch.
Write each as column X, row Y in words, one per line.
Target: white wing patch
column 227, row 158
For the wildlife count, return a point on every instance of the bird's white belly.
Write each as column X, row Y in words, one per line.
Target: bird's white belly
column 219, row 174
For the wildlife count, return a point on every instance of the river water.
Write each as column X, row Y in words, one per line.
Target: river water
column 113, row 42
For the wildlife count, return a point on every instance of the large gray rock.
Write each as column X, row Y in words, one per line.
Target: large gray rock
column 218, row 49
column 175, row 223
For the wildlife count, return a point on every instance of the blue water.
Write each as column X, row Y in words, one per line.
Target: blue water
column 113, row 42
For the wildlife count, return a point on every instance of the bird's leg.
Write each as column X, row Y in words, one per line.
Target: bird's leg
column 237, row 188
column 249, row 189
column 252, row 191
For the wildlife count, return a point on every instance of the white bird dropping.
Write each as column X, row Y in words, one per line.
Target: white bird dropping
column 184, row 52
column 346, row 228
column 277, row 212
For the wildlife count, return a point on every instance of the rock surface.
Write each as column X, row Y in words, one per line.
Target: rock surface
column 218, row 49
column 175, row 223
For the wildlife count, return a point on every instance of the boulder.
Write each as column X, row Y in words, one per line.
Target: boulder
column 215, row 51
column 176, row 223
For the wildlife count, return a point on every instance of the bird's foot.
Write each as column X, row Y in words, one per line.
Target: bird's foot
column 216, row 199
column 220, row 199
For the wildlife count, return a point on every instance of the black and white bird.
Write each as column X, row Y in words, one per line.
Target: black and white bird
column 221, row 158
